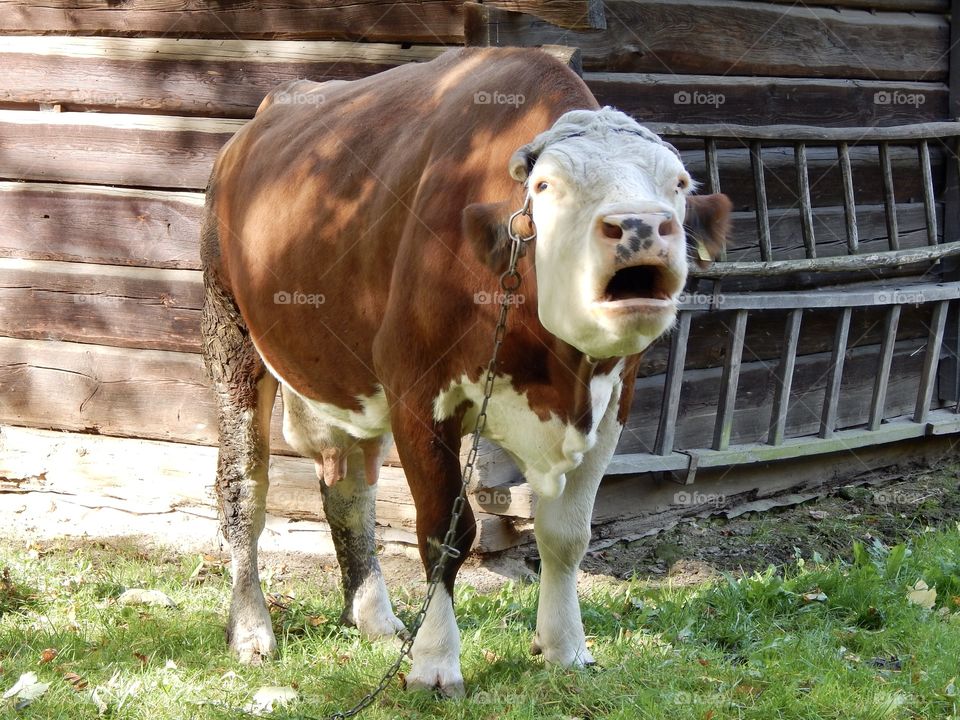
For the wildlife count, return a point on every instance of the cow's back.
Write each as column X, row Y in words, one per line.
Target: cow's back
column 339, row 206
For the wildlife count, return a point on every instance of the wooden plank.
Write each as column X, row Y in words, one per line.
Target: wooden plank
column 929, row 199
column 864, row 261
column 220, row 78
column 826, row 135
column 756, row 393
column 742, row 100
column 831, row 394
column 879, row 400
column 784, row 378
column 730, row 381
column 865, row 295
column 849, row 199
column 889, row 197
column 413, row 21
column 934, row 6
column 93, row 224
column 672, row 385
column 762, row 208
column 931, row 360
column 111, row 149
column 102, row 304
column 806, row 211
column 759, row 39
column 570, row 14
column 139, row 472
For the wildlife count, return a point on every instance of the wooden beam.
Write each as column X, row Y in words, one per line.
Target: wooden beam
column 825, row 135
column 667, row 36
column 102, row 304
column 111, row 149
column 160, row 75
column 96, row 224
column 569, row 14
column 742, row 100
column 411, row 21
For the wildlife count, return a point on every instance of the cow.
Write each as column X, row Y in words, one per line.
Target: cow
column 353, row 242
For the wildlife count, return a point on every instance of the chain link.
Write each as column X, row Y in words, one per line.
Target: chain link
column 509, row 282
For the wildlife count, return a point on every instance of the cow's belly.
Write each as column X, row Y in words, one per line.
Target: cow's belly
column 545, row 450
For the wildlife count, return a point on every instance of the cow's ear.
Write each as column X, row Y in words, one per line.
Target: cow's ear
column 485, row 227
column 707, row 224
column 522, row 161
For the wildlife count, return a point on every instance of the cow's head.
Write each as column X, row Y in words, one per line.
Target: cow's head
column 610, row 201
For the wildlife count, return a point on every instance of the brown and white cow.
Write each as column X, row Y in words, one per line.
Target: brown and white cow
column 354, row 237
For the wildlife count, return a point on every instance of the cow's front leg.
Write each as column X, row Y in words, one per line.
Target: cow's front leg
column 429, row 452
column 562, row 529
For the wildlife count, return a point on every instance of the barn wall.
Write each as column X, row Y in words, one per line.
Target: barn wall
column 111, row 115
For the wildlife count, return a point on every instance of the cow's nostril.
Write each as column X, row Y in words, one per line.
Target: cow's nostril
column 614, row 232
column 667, row 228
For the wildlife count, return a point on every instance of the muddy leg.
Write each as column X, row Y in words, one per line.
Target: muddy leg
column 349, row 506
column 245, row 394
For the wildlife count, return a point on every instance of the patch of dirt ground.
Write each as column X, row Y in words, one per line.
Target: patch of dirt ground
column 690, row 552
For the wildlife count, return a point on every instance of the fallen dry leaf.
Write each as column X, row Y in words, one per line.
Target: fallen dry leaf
column 76, row 681
column 817, row 596
column 316, row 620
column 266, row 698
column 923, row 595
column 47, row 656
column 26, row 690
column 141, row 657
column 490, row 656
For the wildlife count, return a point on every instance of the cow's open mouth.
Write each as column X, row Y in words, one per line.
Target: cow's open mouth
column 640, row 282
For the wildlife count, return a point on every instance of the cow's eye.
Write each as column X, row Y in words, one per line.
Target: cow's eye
column 541, row 186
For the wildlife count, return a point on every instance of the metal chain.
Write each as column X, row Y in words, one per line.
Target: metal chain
column 509, row 282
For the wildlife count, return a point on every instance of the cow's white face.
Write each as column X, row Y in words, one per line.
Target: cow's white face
column 608, row 201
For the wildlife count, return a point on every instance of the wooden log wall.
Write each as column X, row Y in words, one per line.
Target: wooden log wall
column 111, row 115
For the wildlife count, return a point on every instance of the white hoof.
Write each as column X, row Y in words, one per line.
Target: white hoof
column 250, row 633
column 574, row 655
column 432, row 676
column 372, row 612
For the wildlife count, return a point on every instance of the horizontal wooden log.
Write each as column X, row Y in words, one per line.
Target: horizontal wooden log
column 101, row 304
column 698, row 399
column 95, row 224
column 669, row 98
column 413, row 21
column 920, row 6
column 570, row 14
column 774, row 134
column 730, row 37
column 111, row 149
column 220, row 78
column 142, row 474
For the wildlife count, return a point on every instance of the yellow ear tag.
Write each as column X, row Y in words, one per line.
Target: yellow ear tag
column 702, row 252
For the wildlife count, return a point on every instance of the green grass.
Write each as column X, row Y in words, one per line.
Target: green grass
column 764, row 646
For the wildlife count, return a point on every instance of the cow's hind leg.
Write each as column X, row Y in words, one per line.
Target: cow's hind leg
column 245, row 393
column 349, row 506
